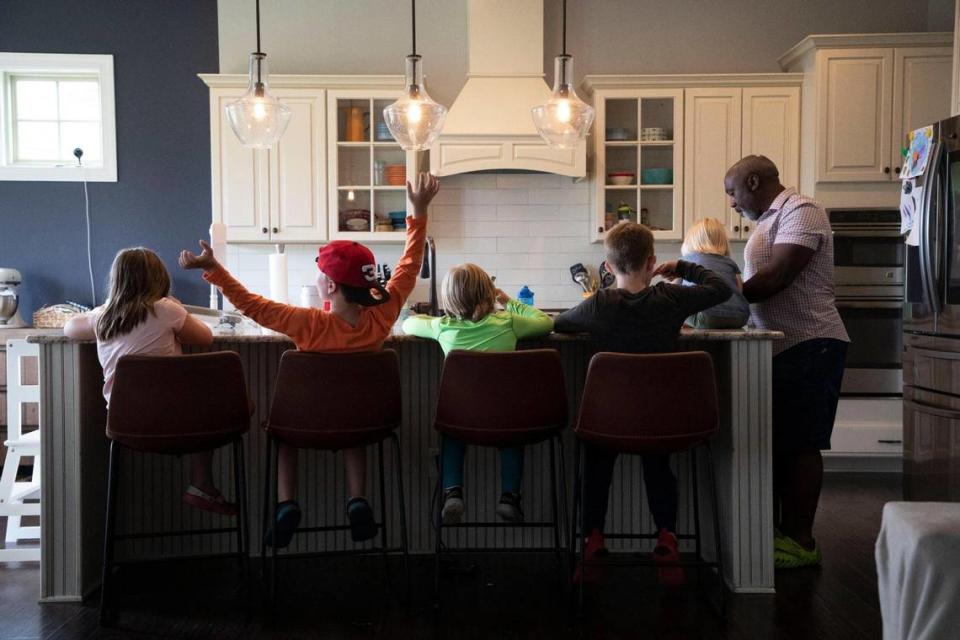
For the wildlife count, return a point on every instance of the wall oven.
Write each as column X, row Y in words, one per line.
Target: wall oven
column 868, row 272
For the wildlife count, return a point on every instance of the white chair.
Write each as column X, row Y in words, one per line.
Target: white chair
column 14, row 493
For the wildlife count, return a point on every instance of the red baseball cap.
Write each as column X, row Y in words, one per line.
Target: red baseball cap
column 352, row 264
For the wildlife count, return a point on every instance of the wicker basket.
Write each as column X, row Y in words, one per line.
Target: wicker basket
column 54, row 317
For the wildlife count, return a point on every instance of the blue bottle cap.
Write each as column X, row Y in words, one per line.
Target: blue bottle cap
column 525, row 292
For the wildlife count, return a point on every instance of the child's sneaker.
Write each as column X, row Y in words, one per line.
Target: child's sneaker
column 666, row 554
column 509, row 508
column 596, row 548
column 212, row 501
column 452, row 506
column 285, row 523
column 362, row 525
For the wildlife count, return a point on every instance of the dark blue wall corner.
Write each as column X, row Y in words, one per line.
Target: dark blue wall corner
column 162, row 197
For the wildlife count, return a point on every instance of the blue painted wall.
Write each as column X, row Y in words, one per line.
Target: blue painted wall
column 162, row 197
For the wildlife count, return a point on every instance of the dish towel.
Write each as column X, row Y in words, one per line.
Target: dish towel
column 918, row 569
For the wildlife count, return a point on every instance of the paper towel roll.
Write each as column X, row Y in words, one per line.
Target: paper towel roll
column 278, row 277
column 218, row 242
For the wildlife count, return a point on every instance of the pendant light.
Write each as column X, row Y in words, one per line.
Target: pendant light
column 257, row 117
column 563, row 120
column 415, row 120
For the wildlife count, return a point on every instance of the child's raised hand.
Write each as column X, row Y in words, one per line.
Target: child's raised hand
column 205, row 261
column 501, row 297
column 426, row 187
column 667, row 270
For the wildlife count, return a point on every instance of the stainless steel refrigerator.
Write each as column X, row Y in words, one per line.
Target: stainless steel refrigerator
column 931, row 325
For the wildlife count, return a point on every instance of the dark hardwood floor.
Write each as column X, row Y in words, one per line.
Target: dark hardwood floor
column 505, row 597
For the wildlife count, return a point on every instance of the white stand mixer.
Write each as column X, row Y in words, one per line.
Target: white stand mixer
column 10, row 318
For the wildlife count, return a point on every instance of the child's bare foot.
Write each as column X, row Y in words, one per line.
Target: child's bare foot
column 209, row 500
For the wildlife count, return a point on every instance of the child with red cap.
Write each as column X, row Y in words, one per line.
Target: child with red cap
column 360, row 317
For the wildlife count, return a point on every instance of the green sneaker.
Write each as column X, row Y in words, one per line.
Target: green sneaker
column 788, row 554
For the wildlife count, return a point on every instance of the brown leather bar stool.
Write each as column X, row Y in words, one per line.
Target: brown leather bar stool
column 503, row 399
column 329, row 402
column 651, row 404
column 176, row 405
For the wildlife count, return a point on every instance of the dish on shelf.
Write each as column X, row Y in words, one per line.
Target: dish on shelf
column 384, row 226
column 618, row 133
column 395, row 174
column 654, row 134
column 656, row 176
column 357, row 224
column 621, row 178
column 382, row 133
column 397, row 216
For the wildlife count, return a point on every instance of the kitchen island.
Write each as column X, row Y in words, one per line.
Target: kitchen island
column 75, row 461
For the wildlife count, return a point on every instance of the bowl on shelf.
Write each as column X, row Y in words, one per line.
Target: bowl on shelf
column 654, row 134
column 621, row 178
column 382, row 133
column 656, row 176
column 397, row 216
column 618, row 133
column 357, row 224
column 395, row 174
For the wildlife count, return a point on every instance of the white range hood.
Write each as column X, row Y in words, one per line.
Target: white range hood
column 489, row 126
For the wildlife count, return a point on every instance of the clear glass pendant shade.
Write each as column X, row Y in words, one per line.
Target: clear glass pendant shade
column 564, row 120
column 257, row 117
column 415, row 120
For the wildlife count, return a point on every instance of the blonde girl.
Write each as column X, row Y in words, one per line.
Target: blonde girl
column 472, row 322
column 140, row 317
column 706, row 244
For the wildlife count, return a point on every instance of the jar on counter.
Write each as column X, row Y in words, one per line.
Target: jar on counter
column 525, row 295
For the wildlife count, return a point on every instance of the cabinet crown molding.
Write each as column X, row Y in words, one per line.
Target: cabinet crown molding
column 297, row 81
column 593, row 83
column 862, row 40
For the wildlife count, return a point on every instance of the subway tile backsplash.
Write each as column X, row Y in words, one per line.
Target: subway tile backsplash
column 525, row 229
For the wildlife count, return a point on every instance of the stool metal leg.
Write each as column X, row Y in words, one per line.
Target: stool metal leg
column 108, row 530
column 438, row 542
column 716, row 528
column 582, row 482
column 696, row 514
column 267, row 514
column 273, row 549
column 237, row 489
column 244, row 502
column 384, row 534
column 554, row 498
column 403, row 515
column 564, row 499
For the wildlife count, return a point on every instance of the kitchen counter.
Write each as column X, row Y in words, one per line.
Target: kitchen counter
column 75, row 455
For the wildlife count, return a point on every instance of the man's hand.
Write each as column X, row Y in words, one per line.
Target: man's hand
column 205, row 261
column 667, row 270
column 501, row 297
column 420, row 196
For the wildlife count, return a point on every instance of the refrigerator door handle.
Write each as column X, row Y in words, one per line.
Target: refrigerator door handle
column 936, row 353
column 927, row 248
column 935, row 410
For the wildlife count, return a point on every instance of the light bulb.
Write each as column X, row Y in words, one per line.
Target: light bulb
column 350, row 195
column 259, row 110
column 257, row 117
column 564, row 120
column 415, row 120
column 414, row 112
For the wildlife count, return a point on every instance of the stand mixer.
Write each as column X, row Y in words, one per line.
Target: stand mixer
column 10, row 279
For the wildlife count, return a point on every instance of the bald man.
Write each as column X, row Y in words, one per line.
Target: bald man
column 789, row 283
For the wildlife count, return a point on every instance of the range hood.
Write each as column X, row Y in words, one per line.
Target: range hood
column 489, row 126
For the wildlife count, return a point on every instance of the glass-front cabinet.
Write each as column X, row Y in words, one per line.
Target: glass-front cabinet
column 368, row 169
column 639, row 160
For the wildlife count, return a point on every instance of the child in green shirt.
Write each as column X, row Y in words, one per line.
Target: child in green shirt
column 471, row 323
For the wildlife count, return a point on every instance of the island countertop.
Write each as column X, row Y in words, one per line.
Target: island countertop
column 75, row 453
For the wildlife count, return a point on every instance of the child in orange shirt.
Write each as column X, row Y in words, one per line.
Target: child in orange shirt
column 361, row 316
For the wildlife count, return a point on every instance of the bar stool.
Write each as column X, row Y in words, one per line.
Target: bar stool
column 651, row 404
column 503, row 399
column 329, row 402
column 176, row 405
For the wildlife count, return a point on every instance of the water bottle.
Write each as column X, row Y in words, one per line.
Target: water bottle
column 525, row 296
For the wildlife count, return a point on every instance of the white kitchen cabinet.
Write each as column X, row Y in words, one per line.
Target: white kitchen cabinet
column 921, row 93
column 862, row 94
column 713, row 142
column 289, row 193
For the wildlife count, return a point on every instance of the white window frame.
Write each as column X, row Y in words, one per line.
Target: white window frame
column 57, row 64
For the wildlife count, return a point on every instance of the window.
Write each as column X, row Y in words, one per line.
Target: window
column 51, row 104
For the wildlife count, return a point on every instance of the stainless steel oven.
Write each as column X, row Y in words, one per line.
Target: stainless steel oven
column 868, row 273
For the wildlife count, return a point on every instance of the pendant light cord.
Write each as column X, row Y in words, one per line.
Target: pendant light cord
column 564, row 27
column 259, row 53
column 258, row 26
column 413, row 23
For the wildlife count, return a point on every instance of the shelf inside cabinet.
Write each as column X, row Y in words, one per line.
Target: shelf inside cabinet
column 656, row 187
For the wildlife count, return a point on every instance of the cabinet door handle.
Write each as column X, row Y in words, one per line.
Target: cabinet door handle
column 886, row 169
column 746, row 228
column 599, row 229
column 897, row 169
column 736, row 228
column 890, row 441
column 275, row 230
column 264, row 230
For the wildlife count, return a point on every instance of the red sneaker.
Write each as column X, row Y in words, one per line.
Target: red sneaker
column 667, row 555
column 596, row 547
column 199, row 499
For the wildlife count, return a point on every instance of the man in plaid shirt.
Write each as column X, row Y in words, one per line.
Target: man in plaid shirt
column 788, row 280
